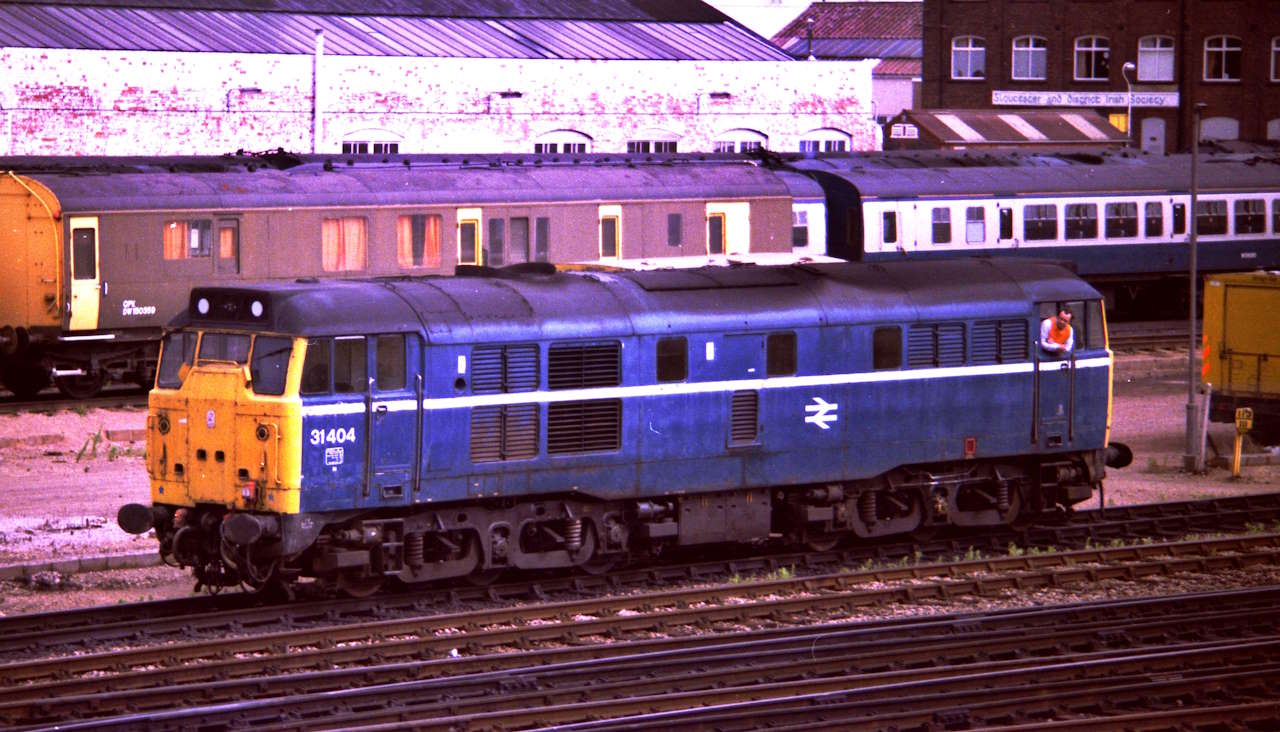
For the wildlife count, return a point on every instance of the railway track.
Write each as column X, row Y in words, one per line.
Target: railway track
column 1164, row 335
column 25, row 636
column 404, row 672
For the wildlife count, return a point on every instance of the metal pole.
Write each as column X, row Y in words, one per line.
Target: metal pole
column 1128, row 124
column 1189, row 460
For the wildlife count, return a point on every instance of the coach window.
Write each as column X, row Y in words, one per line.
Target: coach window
column 673, row 359
column 1251, row 216
column 1154, row 216
column 889, row 232
column 389, row 353
column 1275, row 216
column 84, row 254
column 799, row 229
column 518, row 251
column 179, row 349
column 942, row 225
column 188, row 239
column 886, row 348
column 418, row 241
column 468, row 229
column 1006, row 223
column 495, row 248
column 228, row 246
column 675, row 230
column 1040, row 222
column 350, row 365
column 344, row 244
column 1122, row 220
column 1179, row 218
column 1081, row 221
column 1211, row 217
column 975, row 225
column 715, row 233
column 270, row 364
column 780, row 354
column 609, row 237
column 541, row 238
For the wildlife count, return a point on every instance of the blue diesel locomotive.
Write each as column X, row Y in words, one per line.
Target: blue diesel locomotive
column 424, row 428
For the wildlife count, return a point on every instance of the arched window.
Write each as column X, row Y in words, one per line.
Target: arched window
column 1030, row 57
column 653, row 141
column 371, row 142
column 740, row 140
column 1092, row 55
column 968, row 57
column 826, row 139
column 562, row 141
column 1222, row 58
column 1155, row 58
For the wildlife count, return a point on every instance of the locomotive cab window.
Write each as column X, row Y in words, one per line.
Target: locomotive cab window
column 389, row 355
column 223, row 348
column 1087, row 327
column 316, row 367
column 269, row 364
column 886, row 348
column 780, row 354
column 178, row 349
column 673, row 359
column 350, row 367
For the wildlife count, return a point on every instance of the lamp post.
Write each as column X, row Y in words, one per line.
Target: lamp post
column 1191, row 462
column 1128, row 125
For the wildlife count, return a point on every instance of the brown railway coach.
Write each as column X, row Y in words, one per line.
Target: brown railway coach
column 98, row 254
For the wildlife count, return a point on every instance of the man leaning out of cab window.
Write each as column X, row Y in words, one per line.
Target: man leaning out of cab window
column 1056, row 334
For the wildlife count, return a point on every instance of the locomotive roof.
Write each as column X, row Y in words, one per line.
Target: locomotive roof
column 234, row 184
column 945, row 175
column 533, row 303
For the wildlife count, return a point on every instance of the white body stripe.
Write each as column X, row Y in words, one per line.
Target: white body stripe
column 708, row 387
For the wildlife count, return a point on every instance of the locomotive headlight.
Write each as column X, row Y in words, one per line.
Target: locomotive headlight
column 256, row 308
column 202, row 306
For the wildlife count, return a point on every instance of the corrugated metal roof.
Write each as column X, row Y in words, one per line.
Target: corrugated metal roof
column 853, row 48
column 855, row 21
column 608, row 33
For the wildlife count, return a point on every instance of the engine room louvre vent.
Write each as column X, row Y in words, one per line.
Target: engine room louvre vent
column 939, row 344
column 744, row 418
column 585, row 426
column 579, row 366
column 504, row 433
column 502, row 369
column 999, row 341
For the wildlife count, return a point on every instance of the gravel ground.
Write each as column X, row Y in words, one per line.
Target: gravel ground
column 64, row 475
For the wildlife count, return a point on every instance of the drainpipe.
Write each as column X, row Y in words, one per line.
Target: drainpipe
column 315, row 92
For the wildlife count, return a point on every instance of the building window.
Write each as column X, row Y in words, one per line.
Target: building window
column 364, row 147
column 570, row 142
column 809, row 146
column 1222, row 58
column 942, row 225
column 968, row 58
column 1122, row 219
column 1251, row 216
column 188, row 239
column 743, row 140
column 1155, row 58
column 827, row 140
column 975, row 225
column 344, row 244
column 1081, row 221
column 648, row 146
column 1040, row 222
column 1030, row 58
column 1092, row 53
column 418, row 241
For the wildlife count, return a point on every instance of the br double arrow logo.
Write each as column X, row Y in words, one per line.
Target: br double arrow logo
column 821, row 413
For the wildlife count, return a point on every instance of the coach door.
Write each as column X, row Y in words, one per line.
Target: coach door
column 394, row 419
column 85, row 283
column 1055, row 384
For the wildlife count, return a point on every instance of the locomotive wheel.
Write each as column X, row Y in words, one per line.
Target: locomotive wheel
column 81, row 387
column 358, row 585
column 821, row 541
column 24, row 378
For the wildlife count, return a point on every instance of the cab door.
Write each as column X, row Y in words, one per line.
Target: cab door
column 86, row 290
column 1055, row 383
column 394, row 418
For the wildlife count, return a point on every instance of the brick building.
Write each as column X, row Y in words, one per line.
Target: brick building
column 485, row 76
column 1001, row 54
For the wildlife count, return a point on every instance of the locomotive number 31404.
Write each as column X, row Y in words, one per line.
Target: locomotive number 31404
column 335, row 436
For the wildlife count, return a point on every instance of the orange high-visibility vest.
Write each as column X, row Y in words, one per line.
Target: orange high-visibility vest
column 1059, row 335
